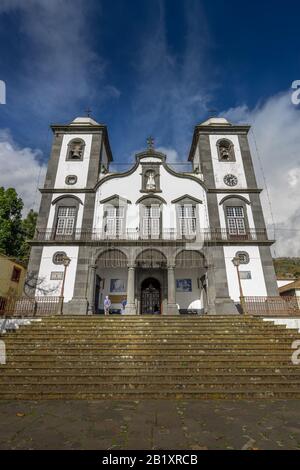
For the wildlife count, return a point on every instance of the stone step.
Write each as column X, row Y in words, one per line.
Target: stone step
column 149, row 353
column 163, row 380
column 143, row 336
column 146, row 357
column 142, row 363
column 136, row 375
column 175, row 368
column 147, row 386
column 158, row 348
column 155, row 395
column 18, row 344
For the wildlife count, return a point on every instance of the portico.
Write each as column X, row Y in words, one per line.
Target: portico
column 151, row 282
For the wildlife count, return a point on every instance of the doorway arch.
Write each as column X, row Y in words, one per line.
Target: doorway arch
column 150, row 296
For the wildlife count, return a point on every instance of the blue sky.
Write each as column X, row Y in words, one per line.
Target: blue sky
column 150, row 67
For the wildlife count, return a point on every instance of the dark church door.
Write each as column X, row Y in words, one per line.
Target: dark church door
column 150, row 297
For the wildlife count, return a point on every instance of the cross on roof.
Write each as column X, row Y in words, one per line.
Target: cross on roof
column 88, row 112
column 150, row 142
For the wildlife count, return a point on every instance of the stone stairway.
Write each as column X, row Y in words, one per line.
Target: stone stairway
column 223, row 357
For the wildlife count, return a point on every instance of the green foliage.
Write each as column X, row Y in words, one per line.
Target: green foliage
column 14, row 232
column 11, row 233
column 28, row 229
column 287, row 267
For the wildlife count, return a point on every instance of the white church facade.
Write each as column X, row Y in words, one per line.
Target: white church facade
column 160, row 240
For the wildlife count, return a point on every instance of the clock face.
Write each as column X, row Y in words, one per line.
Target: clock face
column 230, row 180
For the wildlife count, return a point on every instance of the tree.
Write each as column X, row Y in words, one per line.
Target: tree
column 11, row 230
column 28, row 229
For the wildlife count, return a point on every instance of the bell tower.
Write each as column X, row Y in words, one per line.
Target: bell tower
column 220, row 151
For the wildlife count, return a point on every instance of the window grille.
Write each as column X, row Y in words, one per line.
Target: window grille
column 65, row 220
column 187, row 219
column 236, row 220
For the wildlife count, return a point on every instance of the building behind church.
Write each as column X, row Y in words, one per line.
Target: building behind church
column 159, row 239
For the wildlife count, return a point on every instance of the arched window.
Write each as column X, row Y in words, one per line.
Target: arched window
column 150, row 216
column 236, row 217
column 225, row 150
column 66, row 210
column 75, row 150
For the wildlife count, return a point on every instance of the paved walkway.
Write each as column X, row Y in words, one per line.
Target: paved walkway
column 150, row 424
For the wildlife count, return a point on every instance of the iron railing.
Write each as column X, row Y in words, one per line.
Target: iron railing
column 271, row 306
column 28, row 307
column 164, row 235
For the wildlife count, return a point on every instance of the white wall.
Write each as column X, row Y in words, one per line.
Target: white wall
column 251, row 287
column 189, row 299
column 78, row 168
column 129, row 188
column 108, row 274
column 223, row 168
column 47, row 266
column 284, row 282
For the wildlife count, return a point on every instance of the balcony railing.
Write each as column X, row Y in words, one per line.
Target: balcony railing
column 209, row 235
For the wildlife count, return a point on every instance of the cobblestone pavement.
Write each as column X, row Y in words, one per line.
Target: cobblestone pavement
column 150, row 424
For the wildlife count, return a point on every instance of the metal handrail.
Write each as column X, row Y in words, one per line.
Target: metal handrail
column 214, row 234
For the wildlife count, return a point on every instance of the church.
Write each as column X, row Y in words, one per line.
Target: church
column 152, row 239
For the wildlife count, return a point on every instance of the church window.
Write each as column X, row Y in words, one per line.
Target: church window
column 187, row 219
column 225, row 150
column 236, row 220
column 75, row 150
column 114, row 221
column 16, row 274
column 65, row 220
column 151, row 221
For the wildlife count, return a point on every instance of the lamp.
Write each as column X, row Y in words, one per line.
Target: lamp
column 236, row 262
column 65, row 261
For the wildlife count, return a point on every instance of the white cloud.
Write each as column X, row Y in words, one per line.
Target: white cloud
column 21, row 169
column 276, row 130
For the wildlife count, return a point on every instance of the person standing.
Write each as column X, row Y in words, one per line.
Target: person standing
column 123, row 303
column 107, row 305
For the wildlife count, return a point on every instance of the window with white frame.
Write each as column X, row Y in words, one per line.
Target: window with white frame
column 151, row 221
column 114, row 221
column 65, row 220
column 187, row 219
column 236, row 220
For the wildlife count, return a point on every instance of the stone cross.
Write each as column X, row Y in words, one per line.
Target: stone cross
column 150, row 142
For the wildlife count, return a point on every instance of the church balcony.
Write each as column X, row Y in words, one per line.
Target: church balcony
column 218, row 235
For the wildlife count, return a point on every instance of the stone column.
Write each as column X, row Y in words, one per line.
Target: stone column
column 91, row 289
column 130, row 308
column 210, row 290
column 172, row 306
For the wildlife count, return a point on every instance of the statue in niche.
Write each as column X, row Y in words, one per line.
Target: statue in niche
column 150, row 180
